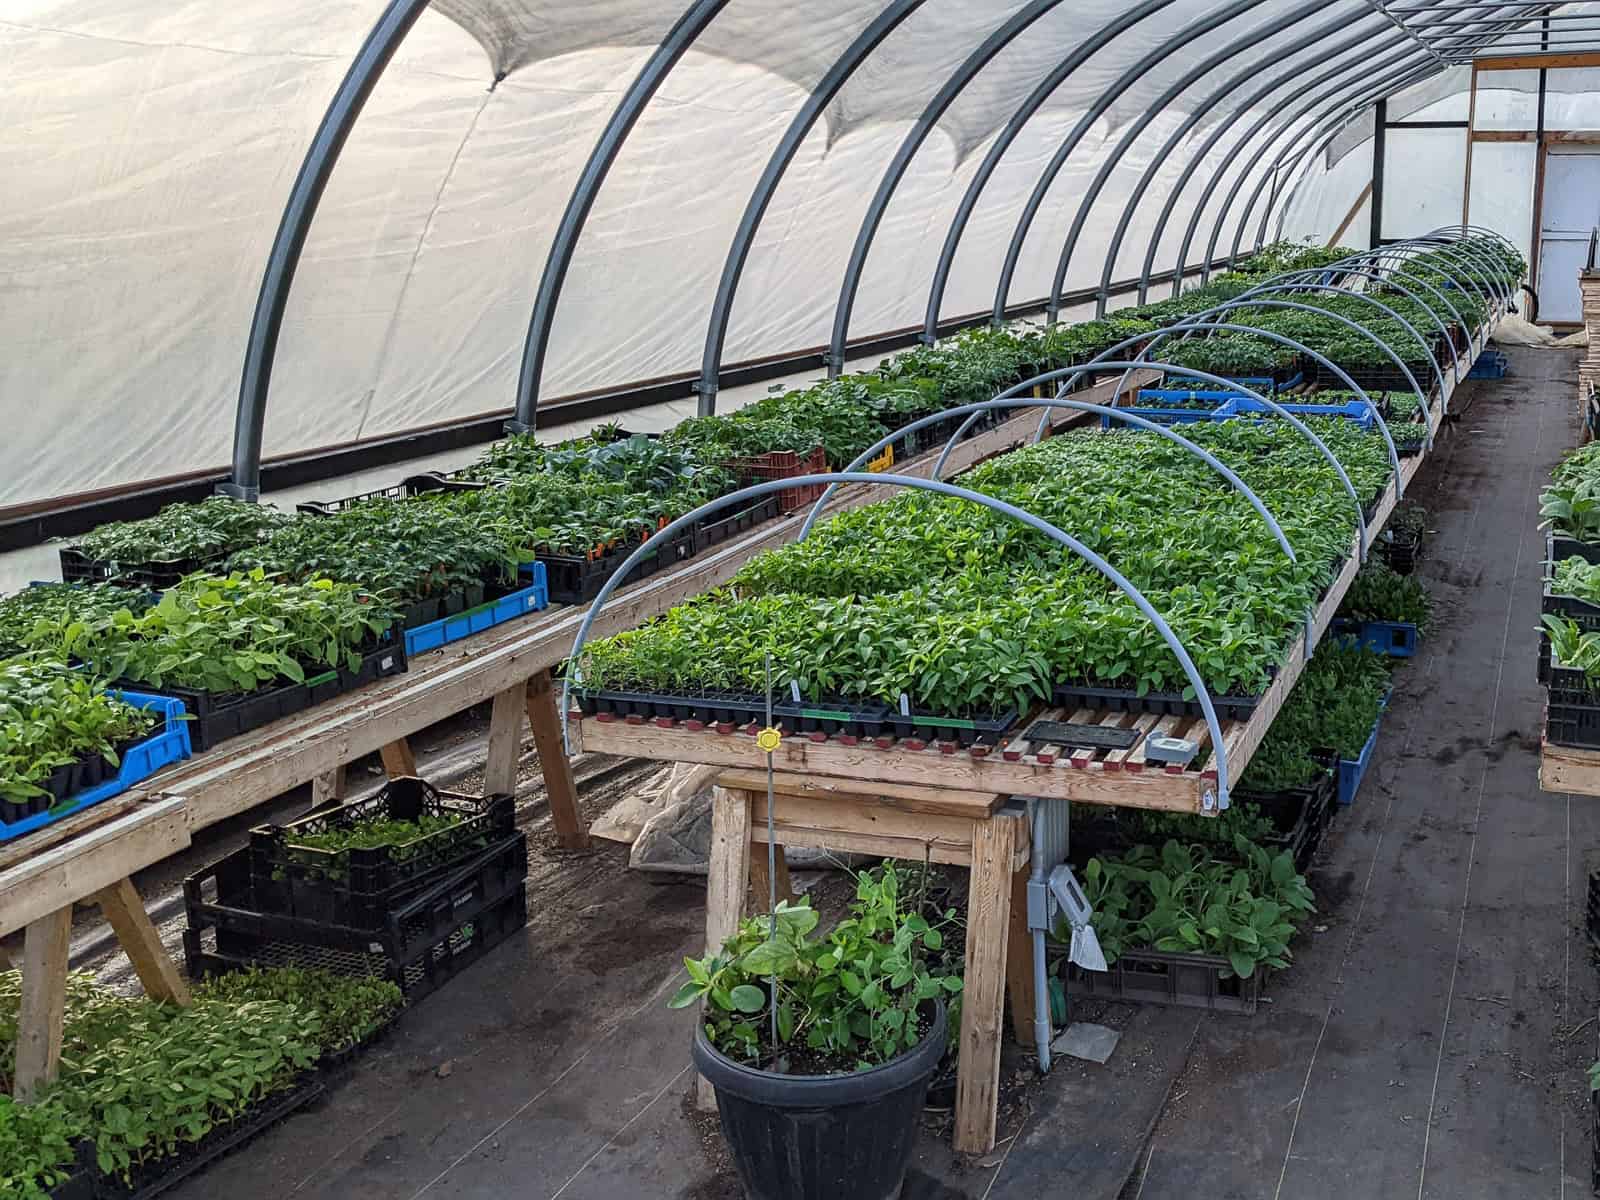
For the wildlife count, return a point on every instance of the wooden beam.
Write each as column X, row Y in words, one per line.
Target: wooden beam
column 761, row 889
column 983, row 998
column 328, row 788
column 727, row 881
column 1466, row 177
column 559, row 786
column 124, row 909
column 1350, row 217
column 398, row 761
column 1572, row 137
column 40, row 840
column 1019, row 960
column 1548, row 60
column 936, row 801
column 78, row 869
column 44, row 1002
column 1502, row 135
column 505, row 741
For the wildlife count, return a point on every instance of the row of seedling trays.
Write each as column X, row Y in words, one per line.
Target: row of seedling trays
column 417, row 913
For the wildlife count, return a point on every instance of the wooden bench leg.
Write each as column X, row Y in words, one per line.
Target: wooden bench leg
column 328, row 788
column 545, row 722
column 727, row 881
column 761, row 885
column 505, row 743
column 983, row 998
column 398, row 761
column 125, row 910
column 44, row 1002
column 1019, row 961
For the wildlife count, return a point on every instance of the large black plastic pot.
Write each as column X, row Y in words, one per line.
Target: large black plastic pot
column 823, row 1137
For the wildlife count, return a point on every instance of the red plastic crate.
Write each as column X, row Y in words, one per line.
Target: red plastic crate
column 783, row 464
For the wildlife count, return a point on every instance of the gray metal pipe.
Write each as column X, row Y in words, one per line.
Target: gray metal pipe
column 756, row 208
column 639, row 94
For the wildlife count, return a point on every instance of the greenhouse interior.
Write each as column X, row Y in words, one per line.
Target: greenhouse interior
column 883, row 598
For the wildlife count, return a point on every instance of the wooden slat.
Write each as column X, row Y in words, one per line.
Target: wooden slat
column 727, row 880
column 878, row 845
column 44, row 1001
column 761, row 881
column 398, row 760
column 78, row 869
column 1569, row 769
column 909, row 799
column 37, row 842
column 1144, row 723
column 560, row 789
column 875, row 820
column 124, row 909
column 505, row 741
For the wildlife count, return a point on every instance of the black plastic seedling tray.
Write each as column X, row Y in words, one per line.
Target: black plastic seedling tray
column 1165, row 704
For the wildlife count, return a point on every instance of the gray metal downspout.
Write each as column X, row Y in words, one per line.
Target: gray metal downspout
column 678, row 40
column 1403, row 70
column 909, row 145
column 794, row 137
column 1102, row 102
column 1335, row 75
column 267, row 323
column 1013, row 129
column 1193, row 75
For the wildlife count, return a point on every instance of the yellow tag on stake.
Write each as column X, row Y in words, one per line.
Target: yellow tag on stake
column 767, row 740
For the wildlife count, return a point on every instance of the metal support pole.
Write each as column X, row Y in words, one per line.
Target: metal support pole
column 267, row 322
column 1380, row 145
column 655, row 70
column 799, row 128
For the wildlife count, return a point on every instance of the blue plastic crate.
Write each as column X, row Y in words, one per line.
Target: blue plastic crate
column 143, row 760
column 1351, row 773
column 1397, row 639
column 1491, row 364
column 533, row 598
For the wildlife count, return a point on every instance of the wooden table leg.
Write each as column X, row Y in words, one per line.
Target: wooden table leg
column 398, row 761
column 1019, row 961
column 125, row 910
column 505, row 743
column 727, row 881
column 983, row 997
column 44, row 1002
column 545, row 722
column 760, row 885
column 328, row 788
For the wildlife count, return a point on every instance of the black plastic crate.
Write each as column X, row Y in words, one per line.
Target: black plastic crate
column 1300, row 815
column 1399, row 549
column 1592, row 909
column 1572, row 717
column 1583, row 613
column 1165, row 704
column 358, row 887
column 577, row 579
column 215, row 717
column 716, row 530
column 78, row 567
column 427, row 941
column 1181, row 980
column 1372, row 378
column 151, row 1179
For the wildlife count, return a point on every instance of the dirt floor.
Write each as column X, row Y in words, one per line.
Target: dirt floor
column 1431, row 1039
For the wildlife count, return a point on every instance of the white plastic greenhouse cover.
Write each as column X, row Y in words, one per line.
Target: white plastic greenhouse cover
column 147, row 151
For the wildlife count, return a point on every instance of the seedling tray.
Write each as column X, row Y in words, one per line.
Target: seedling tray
column 1397, row 639
column 162, row 1175
column 219, row 716
column 1491, row 364
column 715, row 531
column 577, row 579
column 964, row 731
column 828, row 716
column 157, row 576
column 169, row 744
column 1181, row 980
column 430, row 939
column 1166, row 704
column 1302, row 815
column 1353, row 771
column 81, row 1183
column 359, row 888
column 534, row 597
column 1372, row 378
column 1583, row 613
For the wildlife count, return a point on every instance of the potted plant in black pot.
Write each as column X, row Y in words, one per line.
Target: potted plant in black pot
column 820, row 1048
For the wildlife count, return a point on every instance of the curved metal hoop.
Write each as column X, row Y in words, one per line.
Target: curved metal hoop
column 833, row 479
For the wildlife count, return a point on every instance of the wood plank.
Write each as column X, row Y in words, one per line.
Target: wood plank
column 1349, row 217
column 935, row 801
column 124, row 909
column 398, row 760
column 923, row 768
column 560, row 789
column 983, row 997
column 1544, row 60
column 1503, row 135
column 910, row 848
column 1019, row 960
column 1144, row 723
column 43, row 1002
column 1570, row 770
column 505, row 741
column 328, row 788
column 78, row 869
column 867, row 821
column 727, row 881
column 761, row 890
column 40, row 840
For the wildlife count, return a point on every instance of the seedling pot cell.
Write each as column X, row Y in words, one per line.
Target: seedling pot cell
column 823, row 1137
